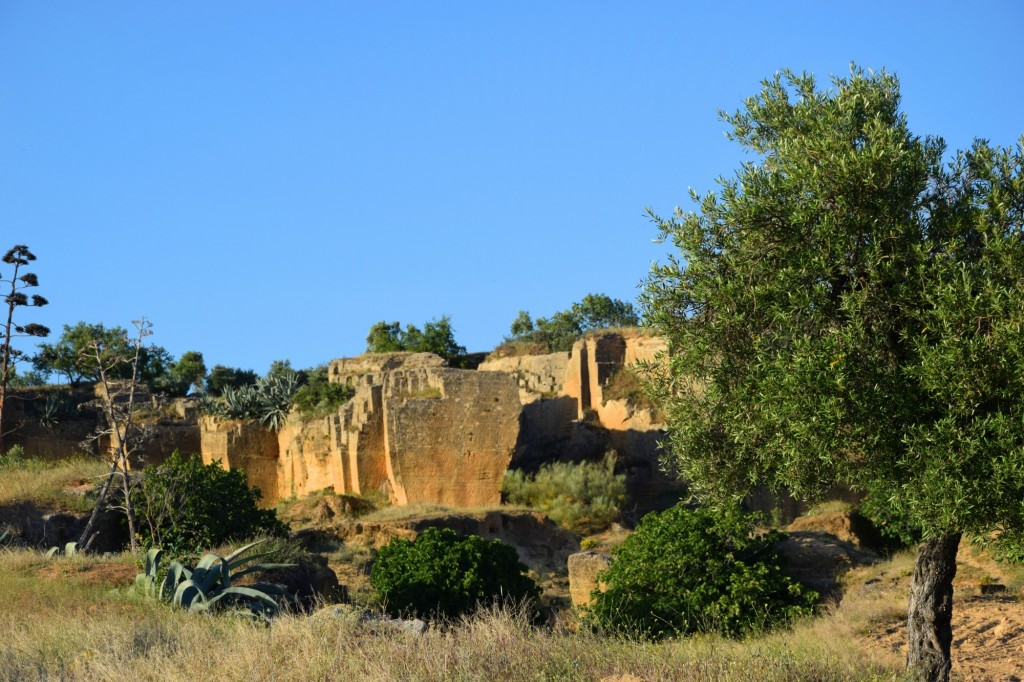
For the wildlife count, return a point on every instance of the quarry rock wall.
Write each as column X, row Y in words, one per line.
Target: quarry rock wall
column 452, row 447
column 420, row 432
column 415, row 431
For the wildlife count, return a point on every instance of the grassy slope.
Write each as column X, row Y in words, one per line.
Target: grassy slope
column 75, row 618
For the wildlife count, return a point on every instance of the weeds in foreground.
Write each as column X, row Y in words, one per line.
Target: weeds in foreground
column 75, row 626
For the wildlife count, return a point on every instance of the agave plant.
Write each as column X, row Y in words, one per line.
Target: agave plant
column 242, row 402
column 276, row 393
column 70, row 549
column 209, row 585
column 208, row 404
column 51, row 410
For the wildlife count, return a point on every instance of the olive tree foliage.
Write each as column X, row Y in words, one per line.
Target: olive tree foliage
column 17, row 257
column 848, row 308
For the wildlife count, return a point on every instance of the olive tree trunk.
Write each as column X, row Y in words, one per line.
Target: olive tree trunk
column 930, row 613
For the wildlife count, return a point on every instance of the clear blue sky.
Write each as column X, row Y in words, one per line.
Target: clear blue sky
column 266, row 180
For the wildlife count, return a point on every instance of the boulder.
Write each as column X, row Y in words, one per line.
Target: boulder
column 818, row 559
column 583, row 570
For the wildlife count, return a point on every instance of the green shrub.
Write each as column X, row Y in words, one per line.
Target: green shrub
column 186, row 507
column 686, row 571
column 319, row 397
column 14, row 458
column 560, row 331
column 448, row 574
column 582, row 498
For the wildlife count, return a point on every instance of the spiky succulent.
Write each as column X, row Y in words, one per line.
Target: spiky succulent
column 210, row 584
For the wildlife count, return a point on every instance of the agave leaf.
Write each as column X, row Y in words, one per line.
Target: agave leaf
column 208, row 560
column 153, row 557
column 225, row 575
column 70, row 549
column 51, row 552
column 175, row 573
column 187, row 593
column 241, row 550
column 242, row 561
column 198, row 605
column 259, row 567
column 207, row 571
column 249, row 594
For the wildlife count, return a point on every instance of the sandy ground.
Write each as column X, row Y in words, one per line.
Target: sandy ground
column 988, row 630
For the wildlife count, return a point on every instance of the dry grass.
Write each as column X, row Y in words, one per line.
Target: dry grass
column 79, row 622
column 46, row 483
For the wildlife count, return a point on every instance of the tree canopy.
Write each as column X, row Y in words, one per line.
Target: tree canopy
column 562, row 329
column 437, row 336
column 69, row 356
column 848, row 308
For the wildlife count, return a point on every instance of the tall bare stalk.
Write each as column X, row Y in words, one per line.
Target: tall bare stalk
column 124, row 433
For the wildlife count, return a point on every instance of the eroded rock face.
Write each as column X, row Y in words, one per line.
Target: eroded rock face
column 451, row 443
column 242, row 444
column 416, row 430
column 538, row 376
column 583, row 570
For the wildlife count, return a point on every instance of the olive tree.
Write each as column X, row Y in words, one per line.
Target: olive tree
column 848, row 308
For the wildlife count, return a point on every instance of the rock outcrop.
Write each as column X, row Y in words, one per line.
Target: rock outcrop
column 570, row 413
column 584, row 568
column 416, row 430
column 421, row 432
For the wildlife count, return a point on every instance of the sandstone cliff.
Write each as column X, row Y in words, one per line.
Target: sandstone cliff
column 415, row 430
column 419, row 431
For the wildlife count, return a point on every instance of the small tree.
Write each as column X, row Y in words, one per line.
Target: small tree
column 185, row 507
column 848, row 309
column 221, row 377
column 190, row 370
column 437, row 336
column 18, row 256
column 560, row 331
column 72, row 356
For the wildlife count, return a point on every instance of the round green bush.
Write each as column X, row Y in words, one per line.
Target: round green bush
column 187, row 507
column 448, row 574
column 695, row 570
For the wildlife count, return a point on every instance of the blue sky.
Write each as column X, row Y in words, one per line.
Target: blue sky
column 266, row 180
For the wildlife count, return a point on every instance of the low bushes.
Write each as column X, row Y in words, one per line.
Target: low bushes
column 582, row 498
column 185, row 507
column 448, row 574
column 319, row 397
column 685, row 571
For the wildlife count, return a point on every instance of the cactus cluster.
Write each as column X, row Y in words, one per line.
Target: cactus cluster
column 211, row 584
